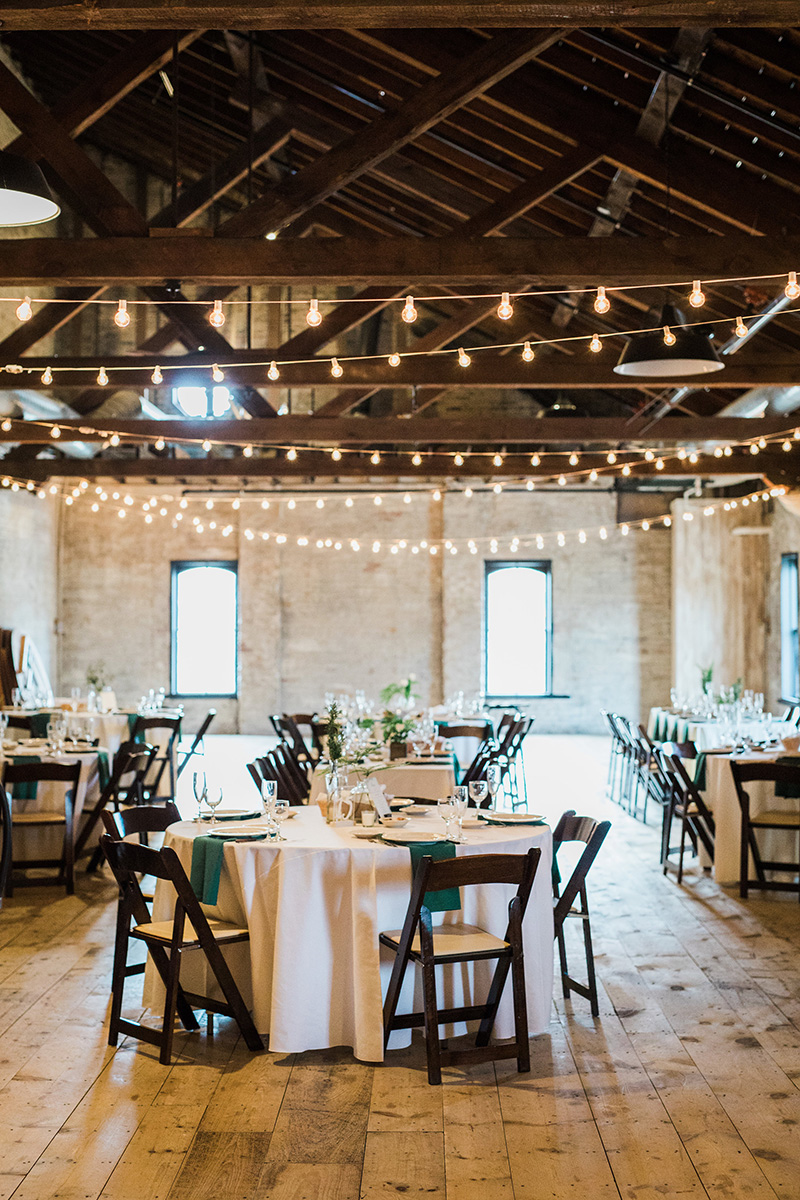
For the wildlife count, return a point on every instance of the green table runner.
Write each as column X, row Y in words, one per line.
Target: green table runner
column 447, row 898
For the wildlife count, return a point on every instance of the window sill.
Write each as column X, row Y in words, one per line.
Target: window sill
column 504, row 701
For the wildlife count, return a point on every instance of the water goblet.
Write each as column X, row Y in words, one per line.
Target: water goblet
column 213, row 800
column 280, row 812
column 493, row 780
column 460, row 801
column 478, row 791
column 446, row 811
column 200, row 787
column 3, row 725
column 269, row 793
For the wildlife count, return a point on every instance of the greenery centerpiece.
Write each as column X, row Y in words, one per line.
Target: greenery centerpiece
column 345, row 756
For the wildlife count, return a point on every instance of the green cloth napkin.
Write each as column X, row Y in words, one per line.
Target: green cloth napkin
column 25, row 791
column 448, row 898
column 700, row 772
column 103, row 771
column 206, row 868
column 787, row 791
column 132, row 718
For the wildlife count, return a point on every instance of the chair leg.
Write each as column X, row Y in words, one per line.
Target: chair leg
column 562, row 955
column 69, row 856
column 393, row 996
column 234, row 997
column 590, row 972
column 170, row 1003
column 431, row 1022
column 118, row 974
column 520, row 999
column 744, row 857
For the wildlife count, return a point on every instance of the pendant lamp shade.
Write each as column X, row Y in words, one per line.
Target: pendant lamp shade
column 691, row 352
column 25, row 198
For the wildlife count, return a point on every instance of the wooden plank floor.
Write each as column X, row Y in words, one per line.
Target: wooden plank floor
column 687, row 1085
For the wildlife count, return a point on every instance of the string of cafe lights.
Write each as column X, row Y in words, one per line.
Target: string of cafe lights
column 314, row 317
column 215, row 518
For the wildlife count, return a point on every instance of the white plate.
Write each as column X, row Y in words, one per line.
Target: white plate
column 247, row 835
column 472, row 823
column 399, row 802
column 408, row 837
column 502, row 818
column 369, row 831
column 419, row 810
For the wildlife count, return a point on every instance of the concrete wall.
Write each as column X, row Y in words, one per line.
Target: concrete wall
column 28, row 570
column 318, row 620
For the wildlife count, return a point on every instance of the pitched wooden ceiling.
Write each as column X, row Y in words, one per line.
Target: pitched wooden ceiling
column 643, row 135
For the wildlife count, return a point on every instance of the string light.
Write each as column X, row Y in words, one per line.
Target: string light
column 216, row 317
column 416, row 459
column 611, row 458
column 122, row 318
column 601, row 301
column 157, row 377
column 535, row 460
column 375, row 458
column 753, row 448
column 394, row 359
column 24, row 310
column 247, row 451
column 463, row 359
column 217, row 374
column 336, row 454
column 659, row 464
column 626, row 470
column 787, row 445
column 497, row 461
column 407, row 498
column 102, row 377
column 696, row 296
column 114, row 440
column 740, row 329
column 291, row 454
column 55, row 432
column 593, row 476
column 47, row 376
column 6, row 426
column 409, row 313
column 573, row 459
column 313, row 316
column 792, row 289
column 527, row 353
column 562, row 480
column 273, row 373
column 505, row 309
column 693, row 457
column 206, row 445
column 595, row 345
column 669, row 336
column 336, row 370
column 160, row 444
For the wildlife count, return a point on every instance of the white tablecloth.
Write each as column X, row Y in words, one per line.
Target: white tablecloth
column 425, row 780
column 44, row 841
column 314, row 972
column 706, row 734
column 720, row 795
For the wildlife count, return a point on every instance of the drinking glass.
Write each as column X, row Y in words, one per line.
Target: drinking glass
column 52, row 734
column 493, row 780
column 3, row 725
column 213, row 800
column 200, row 786
column 16, row 697
column 446, row 811
column 280, row 812
column 75, row 697
column 478, row 791
column 460, row 801
column 269, row 797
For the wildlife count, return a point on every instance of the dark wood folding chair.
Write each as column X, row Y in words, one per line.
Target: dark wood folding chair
column 572, row 828
column 509, row 751
column 784, row 775
column 198, row 737
column 166, row 744
column 6, row 850
column 306, row 722
column 167, row 941
column 685, row 804
column 126, row 785
column 280, row 765
column 69, row 774
column 255, row 773
column 419, row 942
column 290, row 735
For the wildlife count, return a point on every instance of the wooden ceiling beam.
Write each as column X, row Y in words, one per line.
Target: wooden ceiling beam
column 425, row 107
column 458, row 432
column 541, row 262
column 410, row 14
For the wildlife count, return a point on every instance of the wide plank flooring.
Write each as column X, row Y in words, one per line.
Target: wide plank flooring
column 686, row 1086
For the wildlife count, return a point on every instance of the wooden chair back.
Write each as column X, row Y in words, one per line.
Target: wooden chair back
column 47, row 772
column 290, row 735
column 164, row 759
column 592, row 834
column 306, row 722
column 126, row 784
column 143, row 819
column 198, row 737
column 7, row 843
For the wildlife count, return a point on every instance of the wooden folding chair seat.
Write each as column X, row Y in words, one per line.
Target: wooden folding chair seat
column 164, row 762
column 592, row 833
column 419, row 942
column 45, row 772
column 126, row 785
column 785, row 775
column 167, row 942
column 196, row 741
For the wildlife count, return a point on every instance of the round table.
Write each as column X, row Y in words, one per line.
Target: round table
column 313, row 972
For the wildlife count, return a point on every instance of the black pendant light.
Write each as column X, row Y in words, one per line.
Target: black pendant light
column 25, row 198
column 674, row 351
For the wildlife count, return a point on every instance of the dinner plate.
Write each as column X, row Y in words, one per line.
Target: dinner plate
column 472, row 823
column 246, row 835
column 399, row 802
column 408, row 837
column 368, row 831
column 514, row 818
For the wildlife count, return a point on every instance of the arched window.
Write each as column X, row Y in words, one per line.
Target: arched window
column 204, row 628
column 518, row 629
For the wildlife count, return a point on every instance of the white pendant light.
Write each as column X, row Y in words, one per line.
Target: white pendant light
column 25, row 198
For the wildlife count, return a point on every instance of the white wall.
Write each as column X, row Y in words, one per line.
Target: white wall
column 28, row 569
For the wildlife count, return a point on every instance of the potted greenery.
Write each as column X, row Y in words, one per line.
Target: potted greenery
column 396, row 731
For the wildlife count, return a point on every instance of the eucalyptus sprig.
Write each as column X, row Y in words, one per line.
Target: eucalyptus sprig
column 335, row 733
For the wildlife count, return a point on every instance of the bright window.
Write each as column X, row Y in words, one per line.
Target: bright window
column 202, row 402
column 790, row 643
column 518, row 628
column 204, row 628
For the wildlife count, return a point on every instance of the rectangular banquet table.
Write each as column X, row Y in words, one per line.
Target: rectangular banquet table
column 314, row 972
column 421, row 778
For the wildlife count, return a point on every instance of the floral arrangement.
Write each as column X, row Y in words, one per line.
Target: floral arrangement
column 402, row 693
column 706, row 676
column 96, row 677
column 396, row 729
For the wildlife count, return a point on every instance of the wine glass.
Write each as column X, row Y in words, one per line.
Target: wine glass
column 213, row 800
column 269, row 793
column 280, row 812
column 200, row 786
column 446, row 811
column 478, row 791
column 493, row 781
column 460, row 801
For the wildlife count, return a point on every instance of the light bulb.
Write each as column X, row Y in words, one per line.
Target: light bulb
column 562, row 479
column 47, row 376
column 527, row 353
column 667, row 522
column 122, row 318
column 573, row 460
column 595, row 345
column 787, row 445
column 669, row 336
column 463, row 359
column 437, row 495
column 394, row 359
column 336, row 455
column 375, row 458
column 156, row 377
column 409, row 313
column 535, row 460
column 348, row 502
column 313, row 316
column 468, row 492
column 740, row 329
column 593, row 475
column 55, row 432
column 273, row 373
column 6, row 426
column 497, row 489
column 696, row 297
column 693, row 457
column 336, row 370
column 24, row 310
column 217, row 374
column 754, row 448
column 505, row 310
column 659, row 464
column 247, row 451
column 291, row 454
column 611, row 458
column 792, row 289
column 727, row 451
column 160, row 444
column 102, row 377
column 458, row 460
column 206, row 445
column 681, row 454
column 217, row 317
column 407, row 498
column 498, row 460
column 649, row 456
column 762, row 443
column 626, row 470
column 601, row 301
column 645, row 526
column 114, row 439
column 718, row 452
column 378, row 501
column 417, row 459
column 320, row 503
